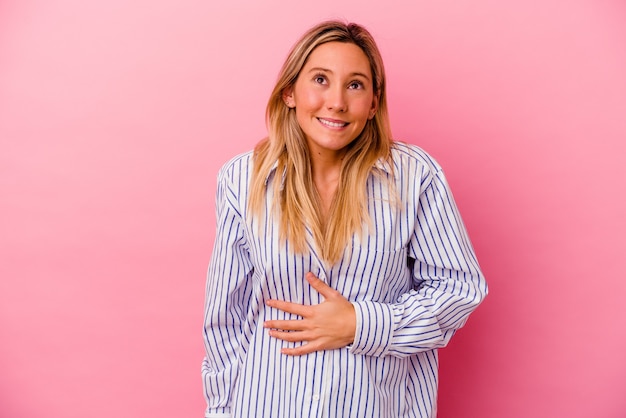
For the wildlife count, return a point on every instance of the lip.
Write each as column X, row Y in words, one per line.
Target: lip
column 333, row 123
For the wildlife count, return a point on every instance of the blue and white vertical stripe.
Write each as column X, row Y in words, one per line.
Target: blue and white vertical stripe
column 412, row 276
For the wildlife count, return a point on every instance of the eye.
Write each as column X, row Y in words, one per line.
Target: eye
column 355, row 85
column 319, row 78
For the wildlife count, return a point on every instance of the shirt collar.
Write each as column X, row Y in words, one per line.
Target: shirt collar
column 382, row 164
column 271, row 173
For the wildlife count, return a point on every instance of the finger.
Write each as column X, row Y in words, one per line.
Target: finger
column 320, row 286
column 286, row 325
column 289, row 307
column 298, row 351
column 294, row 337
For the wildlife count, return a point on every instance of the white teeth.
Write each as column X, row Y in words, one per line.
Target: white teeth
column 333, row 124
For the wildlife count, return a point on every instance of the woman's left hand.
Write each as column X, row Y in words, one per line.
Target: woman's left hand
column 326, row 326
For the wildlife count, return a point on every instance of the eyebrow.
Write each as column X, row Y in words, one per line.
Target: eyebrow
column 330, row 71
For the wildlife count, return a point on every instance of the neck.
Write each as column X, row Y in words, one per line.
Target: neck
column 326, row 166
column 325, row 162
column 325, row 170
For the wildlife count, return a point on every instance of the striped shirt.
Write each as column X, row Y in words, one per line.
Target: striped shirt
column 412, row 277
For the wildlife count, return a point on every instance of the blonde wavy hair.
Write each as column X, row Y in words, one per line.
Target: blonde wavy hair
column 286, row 148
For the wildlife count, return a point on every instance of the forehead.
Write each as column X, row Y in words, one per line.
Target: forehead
column 339, row 57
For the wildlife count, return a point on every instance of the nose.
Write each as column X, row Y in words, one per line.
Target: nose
column 336, row 99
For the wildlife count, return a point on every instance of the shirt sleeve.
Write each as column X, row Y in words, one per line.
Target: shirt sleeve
column 226, row 298
column 448, row 284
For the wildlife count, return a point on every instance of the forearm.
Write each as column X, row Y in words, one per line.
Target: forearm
column 219, row 368
column 421, row 320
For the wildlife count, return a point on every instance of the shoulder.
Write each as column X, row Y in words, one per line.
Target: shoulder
column 232, row 181
column 237, row 168
column 409, row 159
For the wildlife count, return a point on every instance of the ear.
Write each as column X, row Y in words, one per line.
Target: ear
column 374, row 108
column 288, row 97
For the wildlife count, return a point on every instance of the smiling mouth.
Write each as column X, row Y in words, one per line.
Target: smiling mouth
column 332, row 124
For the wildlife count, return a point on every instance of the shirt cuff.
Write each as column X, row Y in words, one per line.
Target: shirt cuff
column 374, row 326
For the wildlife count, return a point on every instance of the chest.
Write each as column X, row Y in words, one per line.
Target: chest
column 373, row 266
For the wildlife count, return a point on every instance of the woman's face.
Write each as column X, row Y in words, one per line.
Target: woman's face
column 333, row 96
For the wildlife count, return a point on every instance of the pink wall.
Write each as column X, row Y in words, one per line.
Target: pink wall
column 115, row 116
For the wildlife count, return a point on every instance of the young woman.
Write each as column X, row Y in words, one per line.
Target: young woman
column 340, row 263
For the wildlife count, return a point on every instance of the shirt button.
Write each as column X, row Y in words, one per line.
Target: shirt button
column 316, row 398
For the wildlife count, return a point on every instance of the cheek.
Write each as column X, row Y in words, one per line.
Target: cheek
column 315, row 101
column 302, row 117
column 309, row 99
column 364, row 108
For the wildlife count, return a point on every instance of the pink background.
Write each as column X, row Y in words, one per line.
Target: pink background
column 116, row 115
